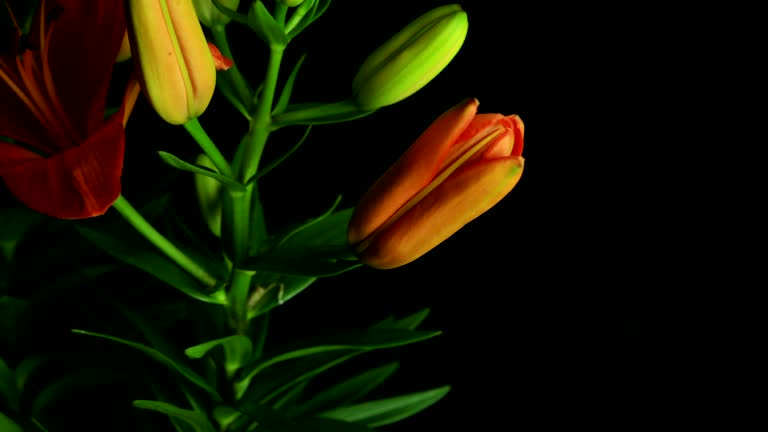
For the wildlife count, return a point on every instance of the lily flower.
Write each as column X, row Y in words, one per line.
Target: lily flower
column 63, row 158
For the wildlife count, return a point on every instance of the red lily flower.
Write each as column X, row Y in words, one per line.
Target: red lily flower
column 67, row 159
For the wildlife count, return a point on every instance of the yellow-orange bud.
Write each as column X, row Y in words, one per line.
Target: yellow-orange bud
column 177, row 69
column 460, row 167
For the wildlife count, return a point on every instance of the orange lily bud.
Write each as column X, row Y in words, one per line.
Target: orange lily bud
column 177, row 68
column 460, row 167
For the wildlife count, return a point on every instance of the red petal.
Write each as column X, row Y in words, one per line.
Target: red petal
column 12, row 156
column 16, row 120
column 85, row 38
column 78, row 183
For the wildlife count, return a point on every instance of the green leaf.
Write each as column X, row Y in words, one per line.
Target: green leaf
column 290, row 396
column 386, row 411
column 275, row 163
column 357, row 340
column 199, row 422
column 272, row 290
column 299, row 267
column 285, row 96
column 409, row 322
column 161, row 358
column 233, row 14
column 314, row 424
column 347, row 391
column 8, row 425
column 14, row 223
column 224, row 85
column 237, row 351
column 282, row 377
column 73, row 381
column 11, row 311
column 8, row 390
column 26, row 368
column 317, row 113
column 309, row 223
column 318, row 8
column 201, row 170
column 261, row 21
column 328, row 232
column 139, row 254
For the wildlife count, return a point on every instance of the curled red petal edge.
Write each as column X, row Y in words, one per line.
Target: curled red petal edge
column 78, row 183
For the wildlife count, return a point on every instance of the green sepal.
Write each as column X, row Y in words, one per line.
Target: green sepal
column 194, row 419
column 265, row 26
column 386, row 411
column 201, row 170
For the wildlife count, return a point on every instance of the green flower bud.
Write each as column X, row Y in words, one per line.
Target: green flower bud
column 210, row 15
column 412, row 58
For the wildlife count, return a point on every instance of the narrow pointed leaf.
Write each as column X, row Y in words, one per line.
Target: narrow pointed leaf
column 386, row 411
column 8, row 390
column 310, row 222
column 8, row 425
column 409, row 322
column 192, row 418
column 233, row 14
column 262, row 22
column 285, row 95
column 347, row 391
column 142, row 256
column 298, row 267
column 274, row 164
column 237, row 351
column 184, row 166
column 358, row 340
column 161, row 358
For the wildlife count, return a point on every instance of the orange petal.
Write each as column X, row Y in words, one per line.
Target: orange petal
column 414, row 170
column 460, row 199
column 78, row 183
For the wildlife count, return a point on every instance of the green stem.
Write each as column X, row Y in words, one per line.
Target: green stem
column 150, row 233
column 241, row 215
column 234, row 75
column 238, row 299
column 198, row 133
column 262, row 120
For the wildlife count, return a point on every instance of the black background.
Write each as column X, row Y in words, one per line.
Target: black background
column 528, row 295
